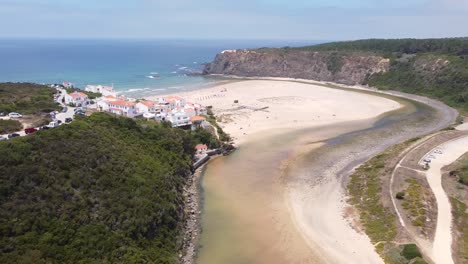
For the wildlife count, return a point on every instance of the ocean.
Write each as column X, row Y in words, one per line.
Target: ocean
column 136, row 68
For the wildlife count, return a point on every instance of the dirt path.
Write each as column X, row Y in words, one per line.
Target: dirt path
column 440, row 156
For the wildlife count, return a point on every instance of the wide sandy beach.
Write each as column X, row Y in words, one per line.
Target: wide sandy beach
column 248, row 107
column 254, row 109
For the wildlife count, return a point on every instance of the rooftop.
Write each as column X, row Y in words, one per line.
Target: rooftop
column 122, row 103
column 77, row 94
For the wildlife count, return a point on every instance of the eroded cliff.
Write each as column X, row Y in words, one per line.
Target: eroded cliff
column 352, row 68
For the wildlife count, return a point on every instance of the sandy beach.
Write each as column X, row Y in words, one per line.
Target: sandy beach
column 271, row 105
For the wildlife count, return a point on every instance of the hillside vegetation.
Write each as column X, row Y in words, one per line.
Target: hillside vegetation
column 26, row 98
column 102, row 189
column 436, row 68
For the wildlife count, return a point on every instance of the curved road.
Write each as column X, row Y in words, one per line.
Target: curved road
column 450, row 152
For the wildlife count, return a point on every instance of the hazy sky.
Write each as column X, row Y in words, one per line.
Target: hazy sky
column 236, row 19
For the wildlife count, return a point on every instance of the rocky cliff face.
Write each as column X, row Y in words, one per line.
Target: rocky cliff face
column 291, row 63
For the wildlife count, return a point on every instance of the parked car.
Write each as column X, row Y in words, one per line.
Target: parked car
column 3, row 138
column 65, row 109
column 82, row 113
column 13, row 135
column 68, row 120
column 59, row 122
column 53, row 124
column 44, row 127
column 30, row 130
column 2, row 113
column 14, row 115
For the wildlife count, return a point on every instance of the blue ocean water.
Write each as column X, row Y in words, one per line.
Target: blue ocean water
column 127, row 64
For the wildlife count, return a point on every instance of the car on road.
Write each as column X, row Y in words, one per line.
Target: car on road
column 3, row 138
column 14, row 115
column 82, row 113
column 53, row 124
column 13, row 135
column 68, row 120
column 30, row 130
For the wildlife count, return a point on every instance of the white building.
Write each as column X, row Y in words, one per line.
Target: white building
column 178, row 118
column 103, row 102
column 172, row 101
column 146, row 106
column 104, row 90
column 68, row 85
column 123, row 108
column 77, row 98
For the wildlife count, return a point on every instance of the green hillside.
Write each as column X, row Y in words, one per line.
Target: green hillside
column 436, row 68
column 100, row 190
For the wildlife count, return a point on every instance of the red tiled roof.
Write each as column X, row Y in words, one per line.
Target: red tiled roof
column 197, row 118
column 148, row 103
column 122, row 103
column 201, row 146
column 77, row 94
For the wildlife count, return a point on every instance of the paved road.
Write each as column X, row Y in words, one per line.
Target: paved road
column 60, row 116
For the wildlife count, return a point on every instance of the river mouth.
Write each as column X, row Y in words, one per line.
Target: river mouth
column 247, row 216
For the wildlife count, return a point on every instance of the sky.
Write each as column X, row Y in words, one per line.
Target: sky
column 235, row 19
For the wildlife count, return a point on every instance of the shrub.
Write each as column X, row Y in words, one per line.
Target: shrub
column 9, row 126
column 419, row 261
column 400, row 195
column 411, row 251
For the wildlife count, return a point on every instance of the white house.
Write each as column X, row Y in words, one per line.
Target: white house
column 68, row 85
column 178, row 118
column 77, row 98
column 172, row 101
column 123, row 108
column 104, row 90
column 201, row 148
column 146, row 106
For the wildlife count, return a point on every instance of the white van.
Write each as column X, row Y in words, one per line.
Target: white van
column 53, row 124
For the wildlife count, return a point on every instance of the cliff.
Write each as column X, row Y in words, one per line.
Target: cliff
column 436, row 68
column 352, row 68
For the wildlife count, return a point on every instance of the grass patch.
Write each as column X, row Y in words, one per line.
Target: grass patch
column 223, row 136
column 460, row 215
column 413, row 203
column 365, row 193
column 26, row 98
column 9, row 126
column 411, row 251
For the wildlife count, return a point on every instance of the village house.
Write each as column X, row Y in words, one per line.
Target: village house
column 68, row 85
column 172, row 101
column 178, row 118
column 201, row 148
column 197, row 122
column 124, row 108
column 147, row 106
column 102, row 102
column 77, row 99
column 104, row 90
